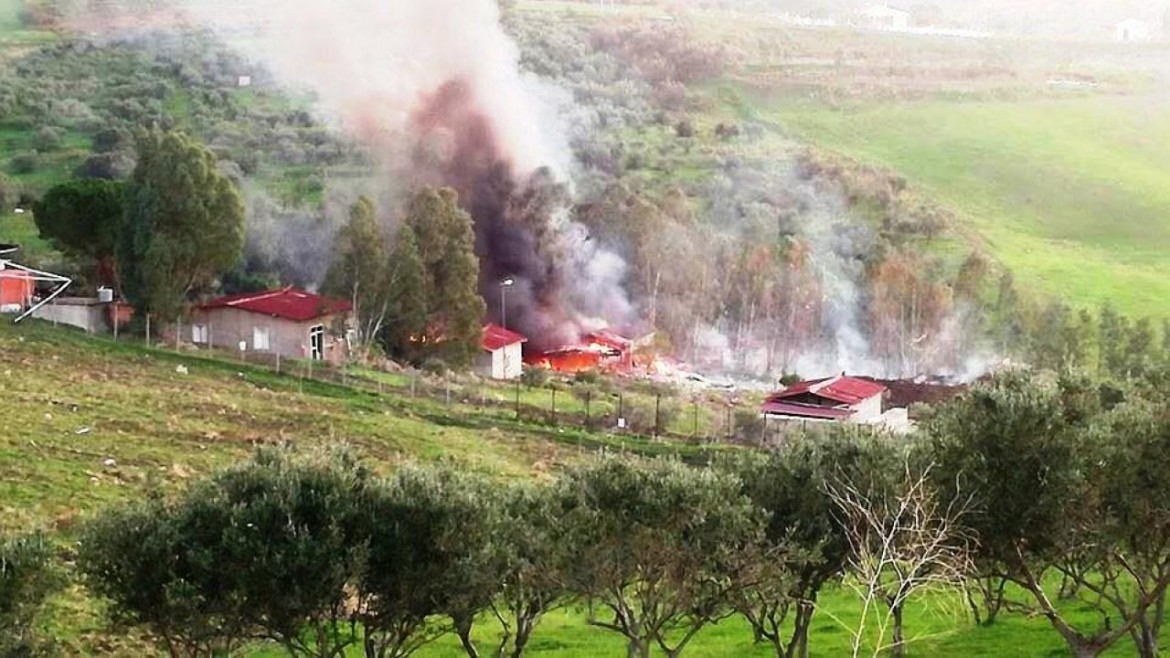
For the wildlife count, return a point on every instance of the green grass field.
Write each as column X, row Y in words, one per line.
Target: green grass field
column 1070, row 195
column 74, row 402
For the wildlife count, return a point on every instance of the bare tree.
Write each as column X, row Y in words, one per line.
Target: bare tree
column 903, row 539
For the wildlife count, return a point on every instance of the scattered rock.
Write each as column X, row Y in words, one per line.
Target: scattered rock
column 83, row 430
column 109, row 462
column 181, row 369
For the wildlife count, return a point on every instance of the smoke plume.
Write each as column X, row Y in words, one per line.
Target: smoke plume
column 435, row 91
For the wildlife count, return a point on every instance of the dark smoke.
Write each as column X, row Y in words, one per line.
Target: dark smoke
column 515, row 216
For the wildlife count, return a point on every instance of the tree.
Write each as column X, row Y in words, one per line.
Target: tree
column 407, row 301
column 27, row 578
column 427, row 550
column 657, row 541
column 136, row 558
column 268, row 549
column 83, row 218
column 184, row 223
column 358, row 271
column 902, row 539
column 1080, row 520
column 285, row 535
column 1113, row 331
column 805, row 545
column 446, row 243
column 534, row 558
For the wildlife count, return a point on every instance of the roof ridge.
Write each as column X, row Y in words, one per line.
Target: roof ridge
column 257, row 297
column 816, row 388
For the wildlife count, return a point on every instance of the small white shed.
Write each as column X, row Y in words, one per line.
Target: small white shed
column 1133, row 31
column 502, row 356
column 885, row 17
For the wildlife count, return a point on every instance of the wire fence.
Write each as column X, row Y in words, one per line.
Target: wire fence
column 609, row 406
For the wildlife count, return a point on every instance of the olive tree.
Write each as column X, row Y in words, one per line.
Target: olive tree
column 534, row 555
column 806, row 545
column 658, row 542
column 429, row 560
column 1063, row 486
column 268, row 550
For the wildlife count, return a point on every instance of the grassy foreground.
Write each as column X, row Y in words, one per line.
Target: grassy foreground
column 1069, row 194
column 88, row 423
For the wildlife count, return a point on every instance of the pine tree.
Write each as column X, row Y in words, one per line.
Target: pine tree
column 446, row 246
column 184, row 224
column 358, row 270
column 406, row 292
column 462, row 308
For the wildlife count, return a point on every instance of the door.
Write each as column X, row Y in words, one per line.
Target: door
column 317, row 343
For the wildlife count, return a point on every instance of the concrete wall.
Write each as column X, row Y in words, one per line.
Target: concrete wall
column 867, row 411
column 228, row 327
column 81, row 312
column 506, row 363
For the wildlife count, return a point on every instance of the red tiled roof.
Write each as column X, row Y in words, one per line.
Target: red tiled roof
column 804, row 411
column 288, row 303
column 842, row 389
column 496, row 337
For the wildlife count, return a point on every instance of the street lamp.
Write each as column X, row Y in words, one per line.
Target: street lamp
column 504, row 285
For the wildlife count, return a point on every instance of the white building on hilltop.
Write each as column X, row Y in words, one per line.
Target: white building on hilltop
column 885, row 17
column 1133, row 31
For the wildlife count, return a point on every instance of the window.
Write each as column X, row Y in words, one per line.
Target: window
column 199, row 334
column 260, row 339
column 317, row 342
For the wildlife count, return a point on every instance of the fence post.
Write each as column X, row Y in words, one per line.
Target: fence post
column 278, row 362
column 730, row 434
column 588, row 400
column 148, row 329
column 447, row 388
column 621, row 406
column 657, row 414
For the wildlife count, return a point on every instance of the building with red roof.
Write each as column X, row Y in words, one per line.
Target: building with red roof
column 502, row 356
column 833, row 399
column 289, row 322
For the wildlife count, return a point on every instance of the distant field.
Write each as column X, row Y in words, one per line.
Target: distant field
column 1071, row 195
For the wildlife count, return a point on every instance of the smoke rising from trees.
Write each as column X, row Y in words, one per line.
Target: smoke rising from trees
column 436, row 92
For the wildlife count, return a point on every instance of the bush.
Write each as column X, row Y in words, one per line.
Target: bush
column 534, row 377
column 25, row 163
column 48, row 138
column 27, row 578
column 685, row 128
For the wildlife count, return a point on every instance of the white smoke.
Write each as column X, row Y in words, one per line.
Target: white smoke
column 369, row 61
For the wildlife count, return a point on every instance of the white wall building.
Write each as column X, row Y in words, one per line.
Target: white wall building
column 1133, row 31
column 502, row 356
column 885, row 17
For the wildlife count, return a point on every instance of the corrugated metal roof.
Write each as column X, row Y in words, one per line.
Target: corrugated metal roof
column 795, row 410
column 842, row 389
column 288, row 303
column 496, row 337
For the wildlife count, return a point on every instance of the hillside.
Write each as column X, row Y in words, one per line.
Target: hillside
column 1068, row 194
column 89, row 422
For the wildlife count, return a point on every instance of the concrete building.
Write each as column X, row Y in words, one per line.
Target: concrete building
column 836, row 399
column 884, row 17
column 502, row 356
column 1133, row 31
column 289, row 322
column 87, row 313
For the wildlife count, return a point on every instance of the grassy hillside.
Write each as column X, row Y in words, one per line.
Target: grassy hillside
column 1071, row 195
column 89, row 422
